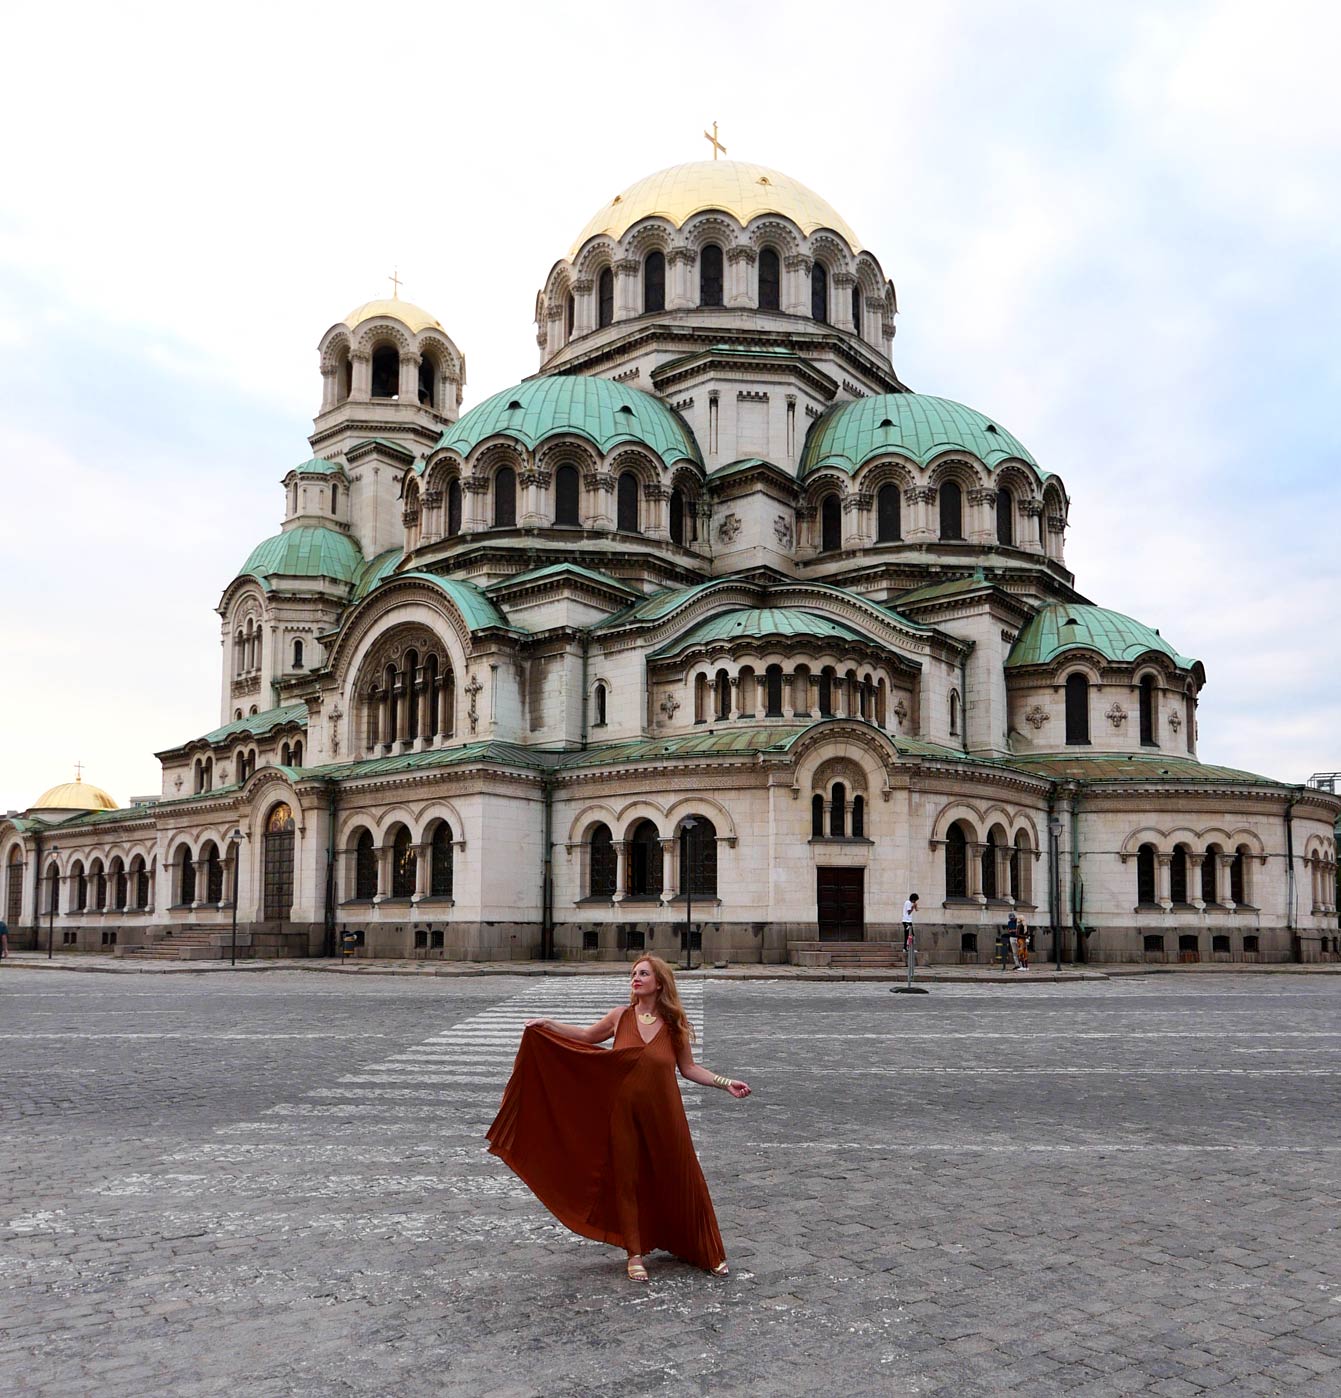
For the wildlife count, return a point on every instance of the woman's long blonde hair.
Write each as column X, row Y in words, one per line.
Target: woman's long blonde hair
column 668, row 1001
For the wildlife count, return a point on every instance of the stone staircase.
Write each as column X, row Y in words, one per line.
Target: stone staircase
column 845, row 954
column 190, row 944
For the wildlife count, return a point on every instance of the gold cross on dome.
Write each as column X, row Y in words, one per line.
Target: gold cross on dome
column 394, row 279
column 716, row 144
column 79, row 771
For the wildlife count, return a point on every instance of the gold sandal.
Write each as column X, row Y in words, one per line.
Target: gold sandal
column 636, row 1271
column 720, row 1270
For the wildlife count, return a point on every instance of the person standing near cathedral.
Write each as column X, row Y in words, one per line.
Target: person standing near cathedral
column 4, row 939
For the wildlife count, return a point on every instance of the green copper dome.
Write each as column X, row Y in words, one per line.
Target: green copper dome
column 1062, row 627
column 310, row 551
column 761, row 622
column 604, row 412
column 911, row 424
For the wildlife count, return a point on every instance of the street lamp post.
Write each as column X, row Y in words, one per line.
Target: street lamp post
column 235, row 841
column 51, row 909
column 688, row 876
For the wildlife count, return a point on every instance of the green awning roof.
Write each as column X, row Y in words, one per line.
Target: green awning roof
column 310, row 551
column 1063, row 626
column 257, row 725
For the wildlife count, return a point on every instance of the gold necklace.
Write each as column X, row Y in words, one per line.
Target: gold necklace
column 647, row 1019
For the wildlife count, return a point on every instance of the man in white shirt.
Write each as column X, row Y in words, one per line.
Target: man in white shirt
column 909, row 911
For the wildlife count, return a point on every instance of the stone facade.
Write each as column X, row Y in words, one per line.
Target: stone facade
column 713, row 605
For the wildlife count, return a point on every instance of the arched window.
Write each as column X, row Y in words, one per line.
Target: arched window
column 139, row 883
column 598, row 704
column 365, row 866
column 404, row 865
column 831, row 524
column 654, row 282
column 440, row 871
column 773, row 692
column 1210, row 875
column 856, row 309
column 1145, row 875
column 1021, row 870
column 819, row 293
column 838, row 810
column 569, row 315
column 1178, row 876
column 952, row 510
column 698, row 849
column 626, row 503
column 603, row 862
column 213, row 866
column 505, row 498
column 1190, row 719
column 817, row 816
column 722, row 684
column 858, row 817
column 1077, row 709
column 989, row 858
column 80, row 889
column 770, row 281
column 888, row 514
column 453, row 509
column 605, row 298
column 298, row 753
column 386, row 372
column 116, row 876
column 677, row 515
column 567, row 496
column 954, row 713
column 700, row 698
column 1148, row 718
column 826, row 692
column 427, row 380
column 1237, row 882
column 297, row 655
column 187, row 884
column 335, row 498
column 710, row 276
column 956, row 862
column 1005, row 517
column 644, row 861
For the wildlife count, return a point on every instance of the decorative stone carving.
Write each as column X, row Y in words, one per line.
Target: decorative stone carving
column 728, row 529
column 669, row 705
column 1116, row 715
column 1037, row 716
column 1175, row 720
column 473, row 689
column 782, row 528
column 901, row 712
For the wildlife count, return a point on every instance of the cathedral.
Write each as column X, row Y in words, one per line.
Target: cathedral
column 713, row 637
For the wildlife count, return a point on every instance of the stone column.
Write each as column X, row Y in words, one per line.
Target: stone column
column 740, row 290
column 328, row 387
column 973, row 858
column 361, row 389
column 1194, row 863
column 980, row 526
column 408, row 387
column 1032, row 510
column 600, row 501
column 668, row 844
column 423, row 868
column 1224, row 886
column 584, row 307
column 796, row 285
column 621, row 870
column 424, row 699
column 840, row 300
column 658, row 512
column 789, row 695
column 679, row 276
column 1164, row 880
column 628, row 295
column 856, row 515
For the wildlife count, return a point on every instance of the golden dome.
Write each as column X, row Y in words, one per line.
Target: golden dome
column 734, row 186
column 415, row 317
column 77, row 795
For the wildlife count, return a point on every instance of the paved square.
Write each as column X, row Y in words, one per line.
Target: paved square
column 275, row 1184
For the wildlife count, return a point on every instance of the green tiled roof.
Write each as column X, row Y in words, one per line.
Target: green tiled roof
column 257, row 725
column 1063, row 626
column 320, row 467
column 936, row 592
column 508, row 754
column 373, row 571
column 604, row 412
column 478, row 609
column 760, row 622
column 911, row 424
column 310, row 551
column 555, row 570
column 733, row 468
column 399, row 447
column 658, row 604
column 1132, row 767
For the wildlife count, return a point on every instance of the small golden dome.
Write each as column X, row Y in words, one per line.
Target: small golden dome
column 733, row 186
column 415, row 317
column 77, row 795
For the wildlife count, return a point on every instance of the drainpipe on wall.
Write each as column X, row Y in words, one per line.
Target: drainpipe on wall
column 547, row 872
column 1054, row 826
column 333, row 797
column 1296, row 951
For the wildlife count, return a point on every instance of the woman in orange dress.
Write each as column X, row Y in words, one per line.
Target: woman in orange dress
column 600, row 1136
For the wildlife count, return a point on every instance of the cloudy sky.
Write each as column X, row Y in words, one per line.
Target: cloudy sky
column 1112, row 229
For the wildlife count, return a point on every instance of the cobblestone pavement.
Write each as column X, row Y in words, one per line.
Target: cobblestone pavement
column 257, row 1185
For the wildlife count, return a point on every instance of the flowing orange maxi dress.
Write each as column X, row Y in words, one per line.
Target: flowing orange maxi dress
column 600, row 1137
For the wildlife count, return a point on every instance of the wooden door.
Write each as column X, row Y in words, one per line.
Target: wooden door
column 841, row 898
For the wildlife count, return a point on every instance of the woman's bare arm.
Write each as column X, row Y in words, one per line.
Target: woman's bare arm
column 695, row 1072
column 596, row 1033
